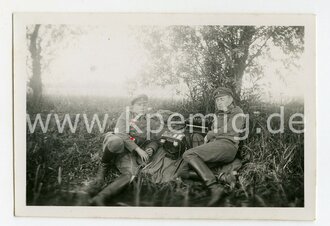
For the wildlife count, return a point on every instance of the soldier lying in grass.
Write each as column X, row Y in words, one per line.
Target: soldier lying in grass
column 128, row 146
column 131, row 149
column 220, row 144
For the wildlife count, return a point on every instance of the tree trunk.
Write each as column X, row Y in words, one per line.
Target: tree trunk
column 240, row 61
column 35, row 81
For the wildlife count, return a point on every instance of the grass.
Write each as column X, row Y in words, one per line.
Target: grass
column 59, row 164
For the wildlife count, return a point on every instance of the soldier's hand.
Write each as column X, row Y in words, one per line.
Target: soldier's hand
column 144, row 156
column 205, row 140
column 150, row 151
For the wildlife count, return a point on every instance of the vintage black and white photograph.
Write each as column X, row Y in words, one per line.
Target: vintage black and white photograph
column 129, row 111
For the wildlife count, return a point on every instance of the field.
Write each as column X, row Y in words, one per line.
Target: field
column 59, row 165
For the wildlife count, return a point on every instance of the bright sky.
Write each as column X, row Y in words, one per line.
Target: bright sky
column 279, row 84
column 101, row 62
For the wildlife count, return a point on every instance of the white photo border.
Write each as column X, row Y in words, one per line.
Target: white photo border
column 20, row 20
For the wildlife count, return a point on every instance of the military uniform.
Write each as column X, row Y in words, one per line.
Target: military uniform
column 221, row 148
column 121, row 144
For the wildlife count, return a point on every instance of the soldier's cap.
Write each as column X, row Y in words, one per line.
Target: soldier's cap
column 139, row 97
column 222, row 91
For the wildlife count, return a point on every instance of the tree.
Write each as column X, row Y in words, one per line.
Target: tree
column 35, row 51
column 205, row 57
column 43, row 43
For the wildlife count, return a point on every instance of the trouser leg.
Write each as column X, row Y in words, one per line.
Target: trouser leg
column 185, row 172
column 127, row 165
column 208, row 177
column 112, row 189
column 112, row 146
column 202, row 170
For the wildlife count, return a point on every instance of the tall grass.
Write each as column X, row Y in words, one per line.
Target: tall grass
column 60, row 164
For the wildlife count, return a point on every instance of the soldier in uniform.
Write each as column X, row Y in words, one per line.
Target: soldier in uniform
column 128, row 146
column 220, row 144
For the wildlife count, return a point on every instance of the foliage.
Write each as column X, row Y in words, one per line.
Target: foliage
column 205, row 57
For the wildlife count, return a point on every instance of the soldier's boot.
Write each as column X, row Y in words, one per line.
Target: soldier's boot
column 209, row 179
column 189, row 175
column 112, row 189
column 217, row 191
column 96, row 185
column 186, row 173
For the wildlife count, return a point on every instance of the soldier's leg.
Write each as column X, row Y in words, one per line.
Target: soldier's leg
column 112, row 189
column 207, row 176
column 184, row 170
column 211, row 152
column 200, row 167
column 218, row 151
column 127, row 165
column 112, row 146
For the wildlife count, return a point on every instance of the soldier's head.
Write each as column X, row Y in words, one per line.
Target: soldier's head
column 139, row 104
column 223, row 98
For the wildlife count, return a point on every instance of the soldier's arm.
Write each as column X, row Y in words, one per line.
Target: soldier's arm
column 153, row 144
column 121, row 131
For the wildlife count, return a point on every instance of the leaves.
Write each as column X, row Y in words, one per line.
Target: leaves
column 204, row 57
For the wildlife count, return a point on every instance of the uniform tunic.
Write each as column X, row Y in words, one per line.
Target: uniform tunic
column 223, row 143
column 130, row 133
